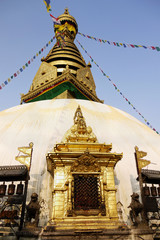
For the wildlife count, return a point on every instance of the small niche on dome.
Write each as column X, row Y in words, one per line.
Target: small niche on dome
column 46, row 80
column 43, row 73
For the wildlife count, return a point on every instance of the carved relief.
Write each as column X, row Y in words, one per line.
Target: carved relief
column 85, row 163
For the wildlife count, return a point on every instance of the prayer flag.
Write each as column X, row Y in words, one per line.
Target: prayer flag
column 48, row 6
column 55, row 20
column 141, row 163
column 25, row 159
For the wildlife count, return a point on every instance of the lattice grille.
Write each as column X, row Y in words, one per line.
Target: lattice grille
column 86, row 192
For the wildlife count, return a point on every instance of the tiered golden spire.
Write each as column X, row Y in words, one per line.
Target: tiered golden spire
column 64, row 65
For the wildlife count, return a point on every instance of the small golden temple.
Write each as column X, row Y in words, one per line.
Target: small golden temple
column 84, row 188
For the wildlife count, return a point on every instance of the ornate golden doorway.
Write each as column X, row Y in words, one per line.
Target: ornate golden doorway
column 86, row 194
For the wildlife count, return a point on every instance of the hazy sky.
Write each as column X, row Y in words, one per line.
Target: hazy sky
column 26, row 27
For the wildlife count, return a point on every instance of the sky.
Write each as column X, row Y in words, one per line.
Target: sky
column 26, row 27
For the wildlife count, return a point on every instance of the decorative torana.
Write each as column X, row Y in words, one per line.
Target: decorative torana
column 85, row 163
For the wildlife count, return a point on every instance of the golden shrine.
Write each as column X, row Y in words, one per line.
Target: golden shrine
column 84, row 187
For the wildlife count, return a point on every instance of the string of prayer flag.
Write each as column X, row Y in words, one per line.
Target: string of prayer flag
column 25, row 65
column 120, row 44
column 117, row 89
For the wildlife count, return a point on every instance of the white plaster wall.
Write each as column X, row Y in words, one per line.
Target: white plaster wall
column 45, row 122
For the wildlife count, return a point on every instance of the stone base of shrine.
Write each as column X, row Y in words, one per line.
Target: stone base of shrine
column 98, row 235
column 93, row 229
column 84, row 223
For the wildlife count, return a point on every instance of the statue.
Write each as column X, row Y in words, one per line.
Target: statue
column 136, row 209
column 33, row 211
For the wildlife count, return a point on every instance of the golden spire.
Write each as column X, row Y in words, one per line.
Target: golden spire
column 64, row 65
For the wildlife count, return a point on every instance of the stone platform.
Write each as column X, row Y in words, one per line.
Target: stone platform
column 123, row 234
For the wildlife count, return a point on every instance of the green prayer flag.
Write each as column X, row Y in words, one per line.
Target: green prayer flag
column 157, row 48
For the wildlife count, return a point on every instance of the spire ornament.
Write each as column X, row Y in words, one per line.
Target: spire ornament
column 79, row 132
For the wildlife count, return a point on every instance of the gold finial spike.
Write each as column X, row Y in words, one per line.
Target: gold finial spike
column 66, row 11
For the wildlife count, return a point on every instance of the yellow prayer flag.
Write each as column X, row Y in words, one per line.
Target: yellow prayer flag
column 24, row 160
column 25, row 150
column 142, row 163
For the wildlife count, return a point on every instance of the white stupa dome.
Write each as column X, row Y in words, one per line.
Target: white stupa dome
column 45, row 122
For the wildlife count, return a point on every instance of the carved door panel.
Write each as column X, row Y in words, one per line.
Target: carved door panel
column 86, row 192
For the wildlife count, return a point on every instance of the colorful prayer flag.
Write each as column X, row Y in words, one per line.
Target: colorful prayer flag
column 55, row 20
column 48, row 6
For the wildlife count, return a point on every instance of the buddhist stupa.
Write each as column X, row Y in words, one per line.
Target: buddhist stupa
column 83, row 163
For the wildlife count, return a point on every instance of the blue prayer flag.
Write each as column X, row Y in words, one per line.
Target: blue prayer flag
column 48, row 6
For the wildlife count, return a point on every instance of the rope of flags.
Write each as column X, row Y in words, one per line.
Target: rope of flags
column 25, row 65
column 118, row 90
column 120, row 44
